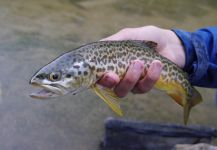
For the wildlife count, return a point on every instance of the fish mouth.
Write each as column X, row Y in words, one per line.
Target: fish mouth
column 46, row 91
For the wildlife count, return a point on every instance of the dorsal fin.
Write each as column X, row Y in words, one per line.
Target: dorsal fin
column 149, row 44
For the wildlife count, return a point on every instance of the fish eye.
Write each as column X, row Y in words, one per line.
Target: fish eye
column 55, row 76
column 68, row 75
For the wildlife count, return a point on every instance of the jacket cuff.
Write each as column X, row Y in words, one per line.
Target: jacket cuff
column 196, row 55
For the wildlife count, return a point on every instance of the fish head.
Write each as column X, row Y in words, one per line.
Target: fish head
column 66, row 74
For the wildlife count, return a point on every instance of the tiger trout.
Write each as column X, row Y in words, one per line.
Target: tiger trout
column 80, row 69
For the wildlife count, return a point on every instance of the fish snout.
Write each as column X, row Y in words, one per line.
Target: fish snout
column 33, row 82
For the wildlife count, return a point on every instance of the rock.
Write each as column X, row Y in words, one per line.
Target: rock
column 200, row 146
column 132, row 135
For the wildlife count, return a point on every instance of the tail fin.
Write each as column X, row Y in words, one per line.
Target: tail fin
column 189, row 103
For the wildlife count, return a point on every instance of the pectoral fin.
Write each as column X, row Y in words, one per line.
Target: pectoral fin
column 109, row 97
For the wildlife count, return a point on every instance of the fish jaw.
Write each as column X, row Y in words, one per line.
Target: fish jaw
column 43, row 94
column 46, row 91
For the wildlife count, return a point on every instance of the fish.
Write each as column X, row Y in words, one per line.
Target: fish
column 80, row 69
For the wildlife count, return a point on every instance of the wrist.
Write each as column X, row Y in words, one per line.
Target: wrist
column 174, row 48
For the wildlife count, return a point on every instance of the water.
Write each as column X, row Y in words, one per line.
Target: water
column 32, row 33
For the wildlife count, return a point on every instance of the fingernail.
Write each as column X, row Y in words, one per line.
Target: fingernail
column 137, row 65
column 157, row 68
column 158, row 65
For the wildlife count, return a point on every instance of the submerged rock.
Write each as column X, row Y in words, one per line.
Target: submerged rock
column 131, row 135
column 200, row 146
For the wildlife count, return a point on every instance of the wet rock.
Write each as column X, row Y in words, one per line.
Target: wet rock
column 131, row 135
column 200, row 146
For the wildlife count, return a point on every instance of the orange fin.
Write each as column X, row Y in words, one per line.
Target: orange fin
column 186, row 103
column 176, row 97
column 174, row 90
column 178, row 93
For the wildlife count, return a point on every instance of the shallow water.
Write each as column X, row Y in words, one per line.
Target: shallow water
column 32, row 33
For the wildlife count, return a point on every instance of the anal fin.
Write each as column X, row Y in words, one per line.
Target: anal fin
column 176, row 91
column 176, row 97
column 186, row 106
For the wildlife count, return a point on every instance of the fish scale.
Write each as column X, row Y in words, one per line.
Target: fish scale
column 80, row 69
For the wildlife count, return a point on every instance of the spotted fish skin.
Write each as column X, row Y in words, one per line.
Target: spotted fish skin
column 116, row 56
column 84, row 66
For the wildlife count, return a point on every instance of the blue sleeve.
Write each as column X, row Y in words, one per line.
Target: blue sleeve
column 201, row 55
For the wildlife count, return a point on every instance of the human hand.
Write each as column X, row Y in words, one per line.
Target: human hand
column 168, row 46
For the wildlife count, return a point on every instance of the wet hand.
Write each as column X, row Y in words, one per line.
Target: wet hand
column 132, row 81
column 168, row 45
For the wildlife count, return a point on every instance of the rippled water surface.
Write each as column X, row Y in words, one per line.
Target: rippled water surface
column 32, row 33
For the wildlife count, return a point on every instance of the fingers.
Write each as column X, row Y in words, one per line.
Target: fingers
column 153, row 74
column 109, row 80
column 130, row 79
